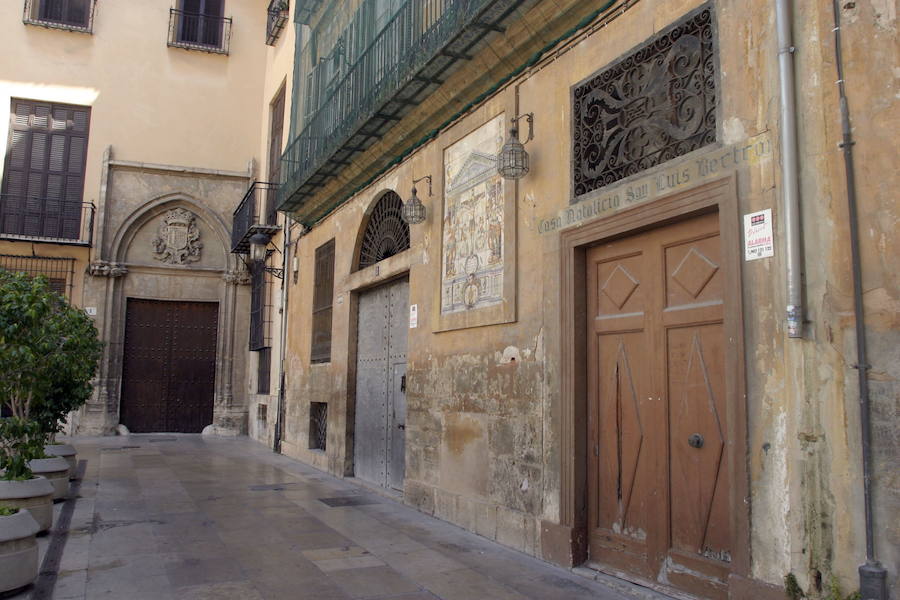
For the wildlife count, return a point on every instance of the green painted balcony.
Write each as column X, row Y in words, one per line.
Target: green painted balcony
column 375, row 86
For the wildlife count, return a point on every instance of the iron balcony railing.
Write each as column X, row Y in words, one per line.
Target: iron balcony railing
column 277, row 17
column 72, row 15
column 419, row 31
column 196, row 31
column 46, row 219
column 256, row 212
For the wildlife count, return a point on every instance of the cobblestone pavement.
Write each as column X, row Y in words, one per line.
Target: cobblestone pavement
column 183, row 517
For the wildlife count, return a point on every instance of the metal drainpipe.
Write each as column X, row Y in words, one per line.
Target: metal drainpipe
column 285, row 284
column 872, row 575
column 790, row 170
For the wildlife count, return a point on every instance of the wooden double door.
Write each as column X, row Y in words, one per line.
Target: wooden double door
column 169, row 365
column 658, row 476
column 380, row 423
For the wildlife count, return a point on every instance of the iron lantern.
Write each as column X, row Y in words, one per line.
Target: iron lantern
column 513, row 161
column 413, row 211
column 259, row 243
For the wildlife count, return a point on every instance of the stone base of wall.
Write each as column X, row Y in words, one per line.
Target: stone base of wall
column 503, row 525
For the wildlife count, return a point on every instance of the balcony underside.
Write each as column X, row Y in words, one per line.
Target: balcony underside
column 302, row 187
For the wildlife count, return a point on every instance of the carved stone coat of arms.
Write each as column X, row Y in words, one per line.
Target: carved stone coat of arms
column 178, row 240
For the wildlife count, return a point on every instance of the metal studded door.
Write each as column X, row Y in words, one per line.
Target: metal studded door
column 658, row 478
column 379, row 442
column 169, row 366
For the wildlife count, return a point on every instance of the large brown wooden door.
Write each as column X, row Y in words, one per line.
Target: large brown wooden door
column 658, row 475
column 169, row 370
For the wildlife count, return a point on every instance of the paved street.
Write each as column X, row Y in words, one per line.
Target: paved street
column 183, row 517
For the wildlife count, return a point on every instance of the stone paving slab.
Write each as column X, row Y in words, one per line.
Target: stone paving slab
column 186, row 517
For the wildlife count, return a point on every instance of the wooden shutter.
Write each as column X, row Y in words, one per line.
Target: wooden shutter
column 323, row 293
column 275, row 137
column 257, row 306
column 263, row 371
column 43, row 181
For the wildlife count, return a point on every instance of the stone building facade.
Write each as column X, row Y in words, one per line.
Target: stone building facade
column 157, row 120
column 591, row 363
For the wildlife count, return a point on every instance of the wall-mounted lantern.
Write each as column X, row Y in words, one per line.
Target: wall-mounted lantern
column 260, row 252
column 513, row 161
column 413, row 211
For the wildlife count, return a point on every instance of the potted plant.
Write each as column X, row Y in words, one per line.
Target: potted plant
column 20, row 442
column 18, row 549
column 54, row 350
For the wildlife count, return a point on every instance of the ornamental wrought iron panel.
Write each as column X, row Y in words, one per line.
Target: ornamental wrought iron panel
column 386, row 232
column 655, row 104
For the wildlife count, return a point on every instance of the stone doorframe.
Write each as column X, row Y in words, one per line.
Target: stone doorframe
column 566, row 542
column 229, row 417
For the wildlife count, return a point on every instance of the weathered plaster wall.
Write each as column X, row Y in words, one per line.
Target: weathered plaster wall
column 484, row 431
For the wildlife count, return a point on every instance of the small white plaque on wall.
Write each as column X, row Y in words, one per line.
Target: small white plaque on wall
column 758, row 238
column 413, row 316
column 91, row 311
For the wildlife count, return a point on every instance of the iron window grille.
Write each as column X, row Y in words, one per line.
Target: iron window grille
column 59, row 271
column 318, row 425
column 199, row 31
column 70, row 15
column 46, row 219
column 277, row 17
column 262, row 413
column 260, row 307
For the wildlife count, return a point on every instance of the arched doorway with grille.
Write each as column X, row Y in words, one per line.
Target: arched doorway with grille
column 379, row 422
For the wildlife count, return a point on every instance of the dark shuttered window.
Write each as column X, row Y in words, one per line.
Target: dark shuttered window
column 257, row 306
column 43, row 181
column 323, row 294
column 263, row 370
column 275, row 156
column 74, row 13
column 201, row 22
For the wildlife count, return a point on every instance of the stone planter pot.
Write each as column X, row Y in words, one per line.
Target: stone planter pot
column 34, row 494
column 18, row 550
column 56, row 470
column 67, row 452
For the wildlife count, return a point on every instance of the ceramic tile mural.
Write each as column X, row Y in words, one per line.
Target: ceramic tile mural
column 472, row 265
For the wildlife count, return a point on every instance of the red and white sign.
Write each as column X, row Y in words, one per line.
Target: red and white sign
column 759, row 241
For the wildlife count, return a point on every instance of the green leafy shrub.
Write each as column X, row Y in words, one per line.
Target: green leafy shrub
column 20, row 441
column 6, row 511
column 48, row 355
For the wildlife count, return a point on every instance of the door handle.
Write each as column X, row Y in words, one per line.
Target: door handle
column 401, row 426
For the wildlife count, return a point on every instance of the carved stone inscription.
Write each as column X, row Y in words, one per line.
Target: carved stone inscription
column 656, row 104
column 178, row 239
